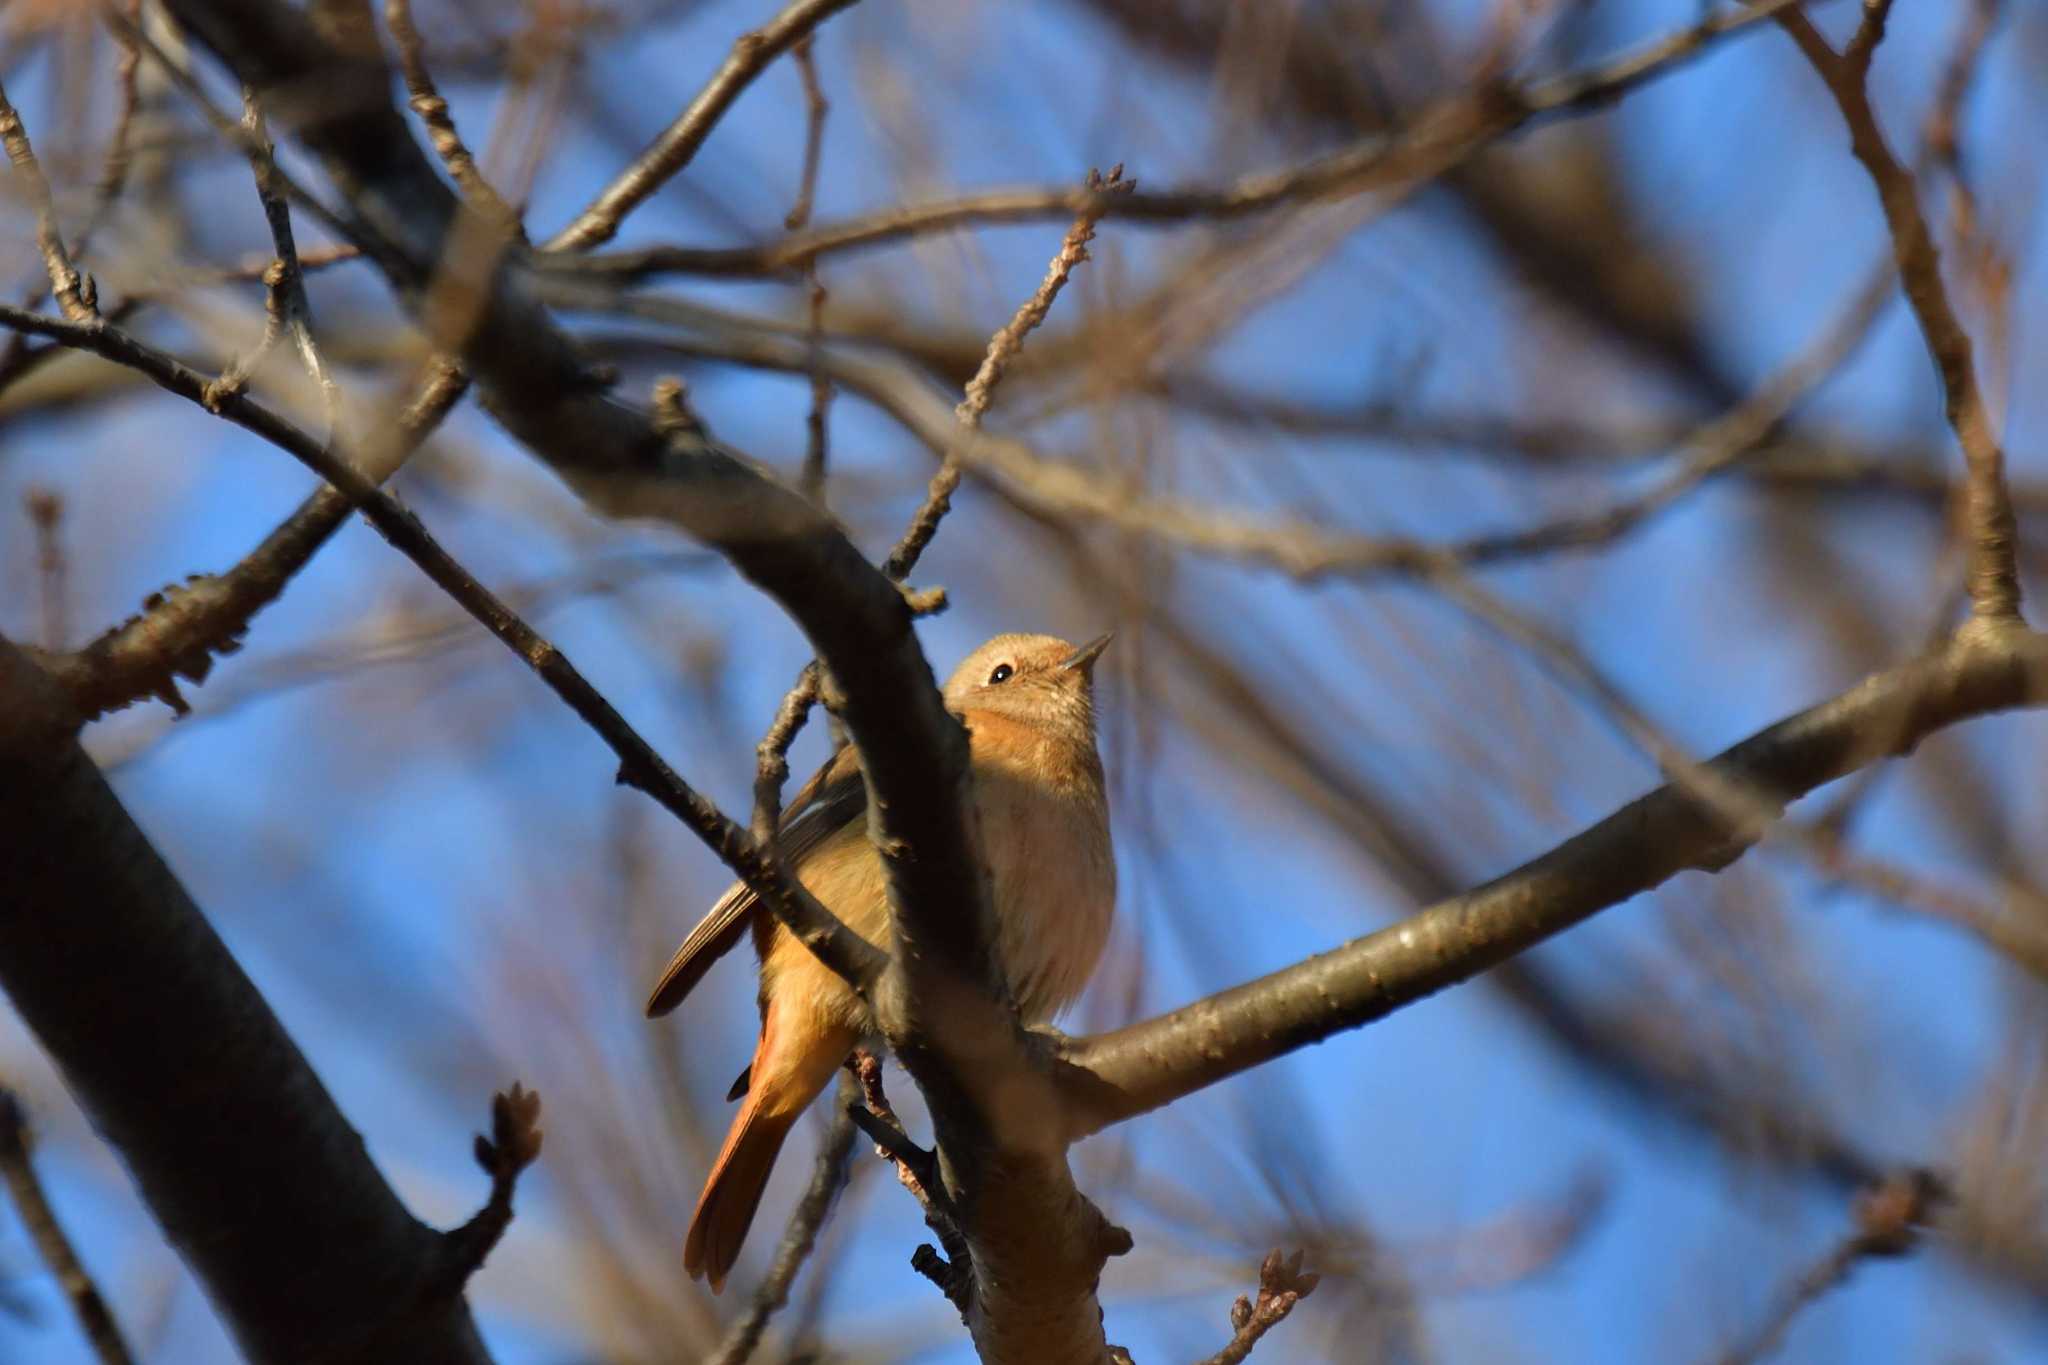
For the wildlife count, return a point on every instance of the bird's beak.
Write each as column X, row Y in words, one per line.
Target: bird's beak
column 1084, row 658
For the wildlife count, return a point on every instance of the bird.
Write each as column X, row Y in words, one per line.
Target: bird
column 1028, row 705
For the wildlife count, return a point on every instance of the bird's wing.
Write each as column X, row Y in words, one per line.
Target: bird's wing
column 833, row 799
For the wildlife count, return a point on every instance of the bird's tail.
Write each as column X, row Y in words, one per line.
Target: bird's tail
column 790, row 1067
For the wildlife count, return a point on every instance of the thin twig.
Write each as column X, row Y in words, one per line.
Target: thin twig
column 815, row 109
column 678, row 143
column 286, row 308
column 812, row 479
column 816, row 432
column 1994, row 569
column 1002, row 349
column 113, row 176
column 72, row 290
column 513, row 1145
column 395, row 638
column 16, row 360
column 771, row 768
column 828, row 1178
column 182, row 628
column 46, row 513
column 18, row 1170
column 425, row 100
column 1709, row 451
column 1984, row 260
column 1437, row 141
column 228, row 128
column 1752, row 813
column 1282, row 1284
column 918, row 1170
column 853, row 957
column 1889, row 1219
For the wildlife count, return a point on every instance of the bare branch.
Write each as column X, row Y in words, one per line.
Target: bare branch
column 425, row 101
column 72, row 290
column 1115, row 1076
column 1889, row 1219
column 18, row 1171
column 815, row 109
column 678, row 143
column 1437, row 141
column 182, row 628
column 772, row 753
column 918, row 1171
column 113, row 176
column 812, row 480
column 235, row 1145
column 46, row 513
column 514, row 1144
column 1282, row 1284
column 1994, row 570
column 285, row 306
column 1002, row 348
column 639, row 766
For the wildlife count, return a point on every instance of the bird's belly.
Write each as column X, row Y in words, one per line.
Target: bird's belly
column 1054, row 892
column 1053, row 876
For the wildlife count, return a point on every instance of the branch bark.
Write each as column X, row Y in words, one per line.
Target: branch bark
column 239, row 1151
column 1994, row 568
column 1116, row 1076
column 678, row 143
column 53, row 1245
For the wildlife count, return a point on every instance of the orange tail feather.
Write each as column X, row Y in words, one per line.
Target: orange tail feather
column 733, row 1192
column 791, row 1065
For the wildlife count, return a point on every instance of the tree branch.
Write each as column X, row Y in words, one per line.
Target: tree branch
column 1436, row 141
column 239, row 1151
column 72, row 290
column 425, row 100
column 1889, row 1218
column 1115, row 1076
column 1282, row 1284
column 639, row 765
column 184, row 626
column 678, row 143
column 88, row 1305
column 1994, row 570
column 514, row 1144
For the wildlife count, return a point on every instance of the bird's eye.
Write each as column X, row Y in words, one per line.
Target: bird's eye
column 1002, row 674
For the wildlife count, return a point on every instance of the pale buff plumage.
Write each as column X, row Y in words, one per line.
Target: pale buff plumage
column 1027, row 702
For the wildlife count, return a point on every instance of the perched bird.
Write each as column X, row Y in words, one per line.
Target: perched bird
column 1028, row 704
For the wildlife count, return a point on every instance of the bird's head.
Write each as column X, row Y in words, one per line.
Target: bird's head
column 1037, row 679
